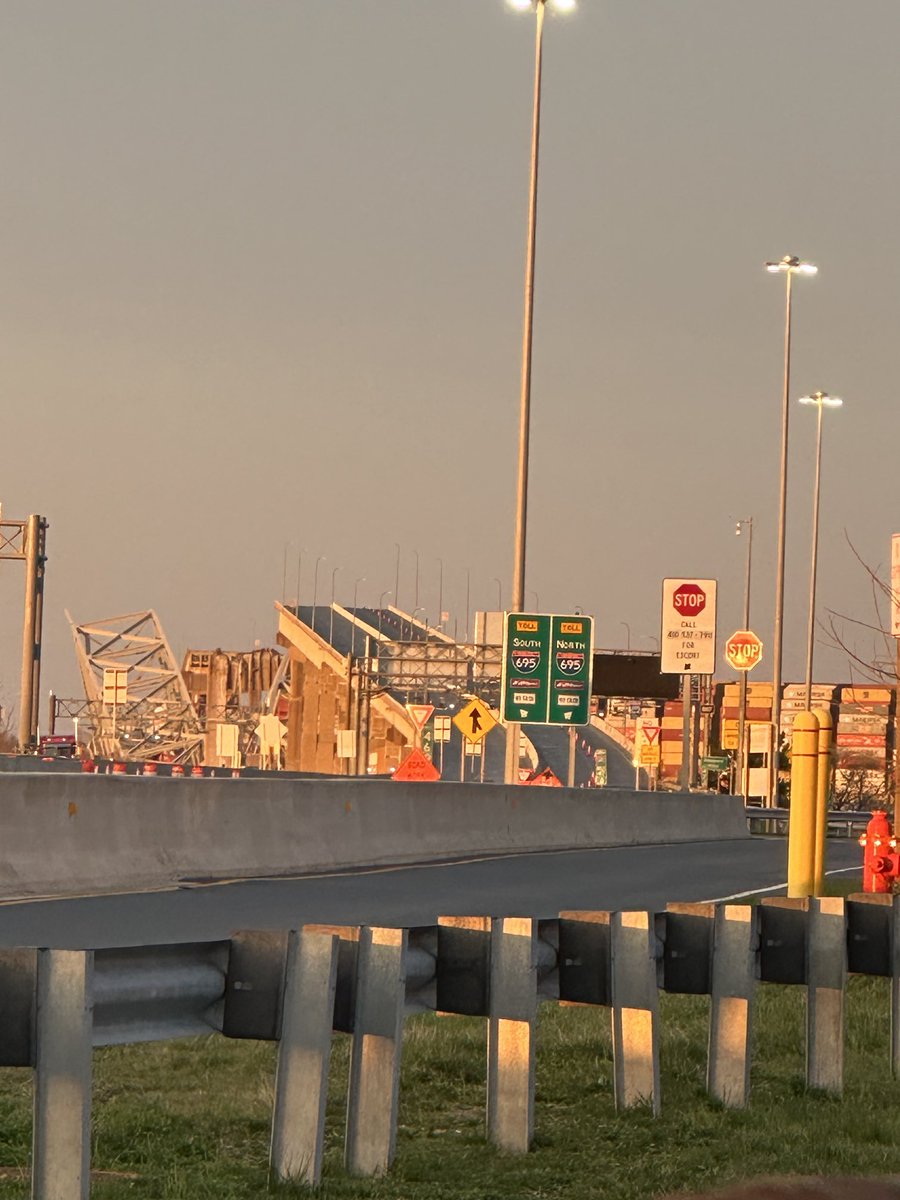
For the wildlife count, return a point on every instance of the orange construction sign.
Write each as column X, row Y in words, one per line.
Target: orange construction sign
column 544, row 778
column 416, row 768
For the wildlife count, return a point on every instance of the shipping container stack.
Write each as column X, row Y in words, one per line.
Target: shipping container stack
column 759, row 709
column 863, row 738
column 794, row 701
column 670, row 741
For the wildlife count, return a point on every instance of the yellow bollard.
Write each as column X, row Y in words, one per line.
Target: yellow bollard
column 802, row 828
column 823, row 781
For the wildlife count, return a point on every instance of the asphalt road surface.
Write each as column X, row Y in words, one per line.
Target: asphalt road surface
column 540, row 885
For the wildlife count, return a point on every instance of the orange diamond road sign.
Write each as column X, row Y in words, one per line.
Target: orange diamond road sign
column 743, row 650
column 420, row 714
column 416, row 768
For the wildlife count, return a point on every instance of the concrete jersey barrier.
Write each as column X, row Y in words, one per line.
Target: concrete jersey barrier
column 61, row 834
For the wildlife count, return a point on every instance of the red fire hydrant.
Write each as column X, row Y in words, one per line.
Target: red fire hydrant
column 881, row 862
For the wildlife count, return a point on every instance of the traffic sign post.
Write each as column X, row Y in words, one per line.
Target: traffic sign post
column 547, row 661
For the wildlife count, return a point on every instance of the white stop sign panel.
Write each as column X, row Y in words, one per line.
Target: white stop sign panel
column 688, row 632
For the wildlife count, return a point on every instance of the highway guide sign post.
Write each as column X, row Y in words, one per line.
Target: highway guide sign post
column 547, row 662
column 688, row 638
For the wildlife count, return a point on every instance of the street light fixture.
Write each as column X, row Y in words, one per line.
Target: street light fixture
column 627, row 636
column 789, row 266
column 822, row 401
column 517, row 599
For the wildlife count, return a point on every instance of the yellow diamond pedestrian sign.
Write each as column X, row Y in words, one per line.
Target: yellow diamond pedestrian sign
column 474, row 721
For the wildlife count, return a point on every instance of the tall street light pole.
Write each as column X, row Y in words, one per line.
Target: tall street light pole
column 789, row 266
column 331, row 613
column 381, row 610
column 747, row 524
column 822, row 401
column 397, row 575
column 517, row 598
column 312, row 620
column 627, row 636
column 440, row 620
column 362, row 579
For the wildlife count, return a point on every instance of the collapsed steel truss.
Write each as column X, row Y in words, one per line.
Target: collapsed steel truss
column 157, row 717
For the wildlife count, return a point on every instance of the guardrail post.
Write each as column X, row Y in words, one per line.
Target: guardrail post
column 731, row 1002
column 375, row 1053
column 304, row 1052
column 634, row 1010
column 826, row 948
column 61, row 1157
column 895, row 986
column 513, row 1003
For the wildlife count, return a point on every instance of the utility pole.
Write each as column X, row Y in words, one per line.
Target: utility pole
column 27, row 542
column 742, row 715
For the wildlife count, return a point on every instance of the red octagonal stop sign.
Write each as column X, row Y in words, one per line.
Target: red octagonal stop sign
column 743, row 650
column 689, row 599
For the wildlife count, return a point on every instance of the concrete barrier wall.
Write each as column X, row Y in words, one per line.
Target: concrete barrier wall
column 71, row 833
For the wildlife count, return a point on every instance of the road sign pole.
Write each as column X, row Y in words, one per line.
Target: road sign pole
column 742, row 728
column 684, row 779
column 570, row 774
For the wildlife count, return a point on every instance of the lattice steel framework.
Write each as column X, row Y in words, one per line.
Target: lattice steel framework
column 157, row 716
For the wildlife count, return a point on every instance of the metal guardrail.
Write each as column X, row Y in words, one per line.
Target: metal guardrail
column 298, row 987
column 841, row 822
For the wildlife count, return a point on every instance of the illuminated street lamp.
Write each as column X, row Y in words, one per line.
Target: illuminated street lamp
column 822, row 401
column 789, row 266
column 517, row 599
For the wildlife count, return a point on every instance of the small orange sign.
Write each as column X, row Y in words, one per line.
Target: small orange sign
column 544, row 778
column 416, row 768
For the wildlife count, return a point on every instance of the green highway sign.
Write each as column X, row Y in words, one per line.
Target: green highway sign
column 547, row 663
column 715, row 762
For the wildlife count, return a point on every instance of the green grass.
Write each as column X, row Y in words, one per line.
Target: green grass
column 191, row 1119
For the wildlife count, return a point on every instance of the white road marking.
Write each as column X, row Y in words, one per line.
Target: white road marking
column 775, row 888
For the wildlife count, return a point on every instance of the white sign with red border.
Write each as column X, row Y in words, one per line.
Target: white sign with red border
column 646, row 744
column 688, row 636
column 420, row 714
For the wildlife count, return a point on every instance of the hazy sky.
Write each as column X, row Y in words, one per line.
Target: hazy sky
column 260, row 283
